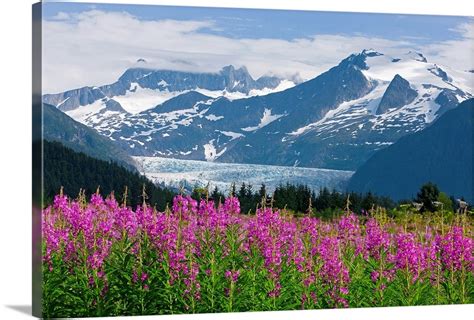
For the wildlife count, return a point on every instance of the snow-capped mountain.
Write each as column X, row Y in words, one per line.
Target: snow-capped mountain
column 336, row 120
column 140, row 88
column 408, row 93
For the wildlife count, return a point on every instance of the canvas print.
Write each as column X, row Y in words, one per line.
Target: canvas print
column 201, row 160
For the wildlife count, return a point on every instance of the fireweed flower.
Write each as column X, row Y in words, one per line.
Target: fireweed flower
column 60, row 202
column 232, row 275
column 134, row 277
column 184, row 205
column 333, row 271
column 348, row 227
column 349, row 231
column 83, row 236
column 411, row 255
column 232, row 205
column 456, row 250
column 97, row 200
column 268, row 233
column 309, row 229
column 376, row 240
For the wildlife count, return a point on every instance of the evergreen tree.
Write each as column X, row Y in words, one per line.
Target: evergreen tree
column 446, row 201
column 427, row 195
column 233, row 191
column 262, row 192
column 217, row 196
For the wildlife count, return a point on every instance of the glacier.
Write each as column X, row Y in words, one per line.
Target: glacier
column 187, row 174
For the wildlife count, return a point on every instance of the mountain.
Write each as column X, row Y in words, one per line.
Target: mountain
column 398, row 94
column 336, row 120
column 442, row 154
column 141, row 88
column 59, row 127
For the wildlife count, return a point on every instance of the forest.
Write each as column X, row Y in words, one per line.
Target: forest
column 75, row 171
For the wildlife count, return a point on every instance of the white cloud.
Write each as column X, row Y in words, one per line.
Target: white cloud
column 95, row 47
column 61, row 16
column 458, row 53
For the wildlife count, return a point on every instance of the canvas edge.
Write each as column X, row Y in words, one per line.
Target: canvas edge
column 37, row 159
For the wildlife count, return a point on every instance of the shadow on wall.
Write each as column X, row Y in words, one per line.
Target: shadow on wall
column 25, row 309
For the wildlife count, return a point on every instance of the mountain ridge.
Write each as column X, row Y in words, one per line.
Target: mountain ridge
column 336, row 120
column 442, row 154
column 59, row 127
column 159, row 85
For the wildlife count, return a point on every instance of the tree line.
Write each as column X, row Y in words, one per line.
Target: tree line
column 75, row 171
column 296, row 198
column 301, row 199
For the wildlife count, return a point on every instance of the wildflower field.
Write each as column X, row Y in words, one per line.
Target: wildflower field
column 102, row 258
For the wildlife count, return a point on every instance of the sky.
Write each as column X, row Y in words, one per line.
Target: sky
column 93, row 44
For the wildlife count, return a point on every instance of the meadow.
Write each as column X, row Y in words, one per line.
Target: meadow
column 104, row 258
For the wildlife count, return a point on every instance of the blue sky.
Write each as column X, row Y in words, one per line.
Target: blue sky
column 250, row 23
column 92, row 44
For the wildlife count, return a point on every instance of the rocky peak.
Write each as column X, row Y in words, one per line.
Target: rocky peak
column 358, row 60
column 398, row 94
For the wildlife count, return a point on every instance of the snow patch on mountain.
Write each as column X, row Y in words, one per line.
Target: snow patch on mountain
column 213, row 117
column 421, row 110
column 231, row 134
column 62, row 102
column 266, row 119
column 84, row 114
column 210, row 152
column 235, row 95
column 381, row 68
column 347, row 110
column 139, row 99
column 284, row 84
